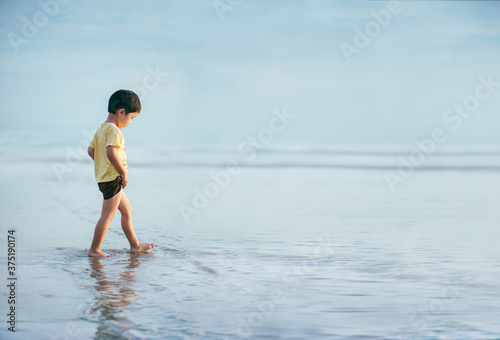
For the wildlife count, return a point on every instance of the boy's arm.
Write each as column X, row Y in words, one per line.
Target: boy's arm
column 112, row 153
column 91, row 152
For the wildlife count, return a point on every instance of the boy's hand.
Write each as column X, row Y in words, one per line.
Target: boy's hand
column 91, row 152
column 112, row 153
column 124, row 179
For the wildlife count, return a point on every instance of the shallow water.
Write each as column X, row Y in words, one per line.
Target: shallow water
column 280, row 253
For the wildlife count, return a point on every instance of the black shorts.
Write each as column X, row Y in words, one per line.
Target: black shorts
column 111, row 188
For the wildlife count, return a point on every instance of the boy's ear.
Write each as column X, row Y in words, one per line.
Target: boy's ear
column 121, row 112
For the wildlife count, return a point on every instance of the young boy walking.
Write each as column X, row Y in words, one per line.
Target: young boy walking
column 107, row 149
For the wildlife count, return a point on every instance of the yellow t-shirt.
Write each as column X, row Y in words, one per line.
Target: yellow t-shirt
column 107, row 134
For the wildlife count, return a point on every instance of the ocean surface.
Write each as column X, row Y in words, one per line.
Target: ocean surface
column 302, row 243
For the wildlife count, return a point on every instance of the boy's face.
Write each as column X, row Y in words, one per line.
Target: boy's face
column 124, row 119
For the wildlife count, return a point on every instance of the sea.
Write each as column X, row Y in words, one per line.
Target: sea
column 317, row 242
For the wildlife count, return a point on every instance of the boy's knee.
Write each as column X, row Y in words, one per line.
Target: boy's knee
column 127, row 212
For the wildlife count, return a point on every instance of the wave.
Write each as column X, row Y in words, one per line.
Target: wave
column 369, row 150
column 318, row 166
column 470, row 158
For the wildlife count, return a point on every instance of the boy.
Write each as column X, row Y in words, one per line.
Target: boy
column 107, row 149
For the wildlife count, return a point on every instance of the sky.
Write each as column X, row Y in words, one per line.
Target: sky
column 212, row 73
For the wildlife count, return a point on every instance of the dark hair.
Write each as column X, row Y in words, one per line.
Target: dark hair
column 124, row 99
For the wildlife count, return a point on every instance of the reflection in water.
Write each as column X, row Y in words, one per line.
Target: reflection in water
column 113, row 294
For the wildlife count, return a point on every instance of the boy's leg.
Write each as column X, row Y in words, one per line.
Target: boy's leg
column 109, row 207
column 128, row 228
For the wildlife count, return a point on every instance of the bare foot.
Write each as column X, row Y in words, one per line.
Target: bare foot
column 98, row 253
column 142, row 247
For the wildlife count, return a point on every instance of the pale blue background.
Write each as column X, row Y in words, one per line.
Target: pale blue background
column 227, row 76
column 394, row 251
